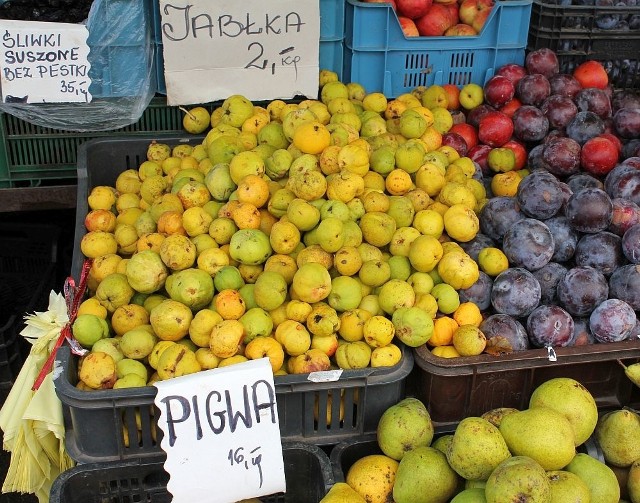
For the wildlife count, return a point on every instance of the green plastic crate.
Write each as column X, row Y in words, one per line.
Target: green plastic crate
column 32, row 155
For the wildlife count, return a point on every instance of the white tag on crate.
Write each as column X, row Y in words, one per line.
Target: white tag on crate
column 325, row 376
column 221, row 434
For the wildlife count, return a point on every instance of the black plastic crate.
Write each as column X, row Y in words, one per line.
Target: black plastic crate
column 28, row 258
column 574, row 32
column 454, row 388
column 307, row 469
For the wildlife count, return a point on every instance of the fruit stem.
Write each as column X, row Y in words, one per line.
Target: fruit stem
column 191, row 116
column 622, row 364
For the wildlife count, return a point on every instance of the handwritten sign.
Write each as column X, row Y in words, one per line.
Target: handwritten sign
column 262, row 50
column 44, row 62
column 221, row 434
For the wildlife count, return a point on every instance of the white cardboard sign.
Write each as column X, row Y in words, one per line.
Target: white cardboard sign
column 44, row 62
column 262, row 50
column 221, row 434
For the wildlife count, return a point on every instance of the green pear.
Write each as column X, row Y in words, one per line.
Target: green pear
column 128, row 366
column 476, row 449
column 111, row 346
column 633, row 482
column 571, row 399
column 403, row 427
column 632, row 372
column 424, row 476
column 89, row 329
column 618, row 433
column 541, row 434
column 518, row 478
column 472, row 495
column 567, row 487
column 600, row 479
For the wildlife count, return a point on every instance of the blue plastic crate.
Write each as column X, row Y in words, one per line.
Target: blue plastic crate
column 120, row 53
column 332, row 27
column 379, row 56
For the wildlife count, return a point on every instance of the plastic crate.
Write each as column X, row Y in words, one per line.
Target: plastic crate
column 382, row 59
column 331, row 39
column 346, row 453
column 366, row 394
column 28, row 258
column 454, row 388
column 571, row 31
column 32, row 155
column 307, row 471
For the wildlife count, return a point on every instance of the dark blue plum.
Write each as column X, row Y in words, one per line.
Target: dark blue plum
column 550, row 326
column 565, row 238
column 515, row 292
column 497, row 215
column 581, row 289
column 505, row 331
column 529, row 244
column 612, row 321
column 602, row 251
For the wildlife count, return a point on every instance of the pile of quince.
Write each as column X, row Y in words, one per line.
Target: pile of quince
column 318, row 234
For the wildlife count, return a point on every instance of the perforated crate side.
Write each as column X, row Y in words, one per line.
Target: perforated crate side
column 308, row 473
column 380, row 57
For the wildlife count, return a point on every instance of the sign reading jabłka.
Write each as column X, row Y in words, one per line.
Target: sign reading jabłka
column 44, row 62
column 261, row 50
column 221, row 434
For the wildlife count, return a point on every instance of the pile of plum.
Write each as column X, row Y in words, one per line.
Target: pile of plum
column 53, row 11
column 572, row 232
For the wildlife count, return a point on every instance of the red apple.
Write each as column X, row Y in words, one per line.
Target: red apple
column 447, row 2
column 409, row 28
column 543, row 61
column 468, row 132
column 495, row 129
column 475, row 12
column 461, row 30
column 598, row 156
column 392, row 2
column 435, row 22
column 498, row 91
column 512, row 71
column 413, row 9
column 520, row 152
column 591, row 74
column 510, row 107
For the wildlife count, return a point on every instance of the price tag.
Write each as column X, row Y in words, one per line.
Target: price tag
column 221, row 434
column 262, row 50
column 44, row 62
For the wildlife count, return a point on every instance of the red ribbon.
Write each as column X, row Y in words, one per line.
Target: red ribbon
column 73, row 297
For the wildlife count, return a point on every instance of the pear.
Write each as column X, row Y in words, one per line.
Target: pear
column 632, row 372
column 633, row 482
column 600, row 479
column 618, row 433
column 571, row 399
column 518, row 478
column 424, row 476
column 476, row 449
column 567, row 487
column 494, row 416
column 541, row 434
column 471, row 495
column 403, row 427
column 341, row 492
